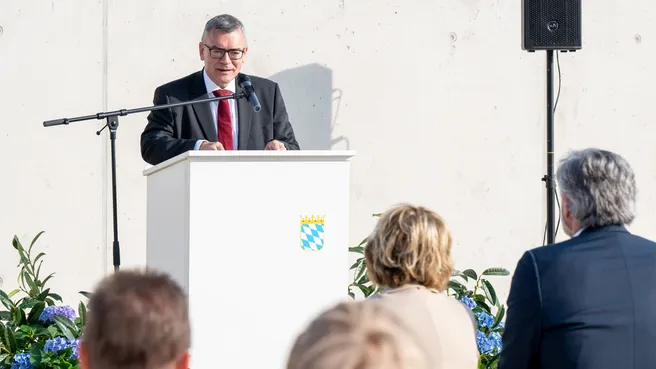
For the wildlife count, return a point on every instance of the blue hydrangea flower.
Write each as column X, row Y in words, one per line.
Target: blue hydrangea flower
column 495, row 338
column 49, row 313
column 469, row 302
column 21, row 361
column 60, row 343
column 485, row 320
column 488, row 345
column 502, row 325
column 485, row 345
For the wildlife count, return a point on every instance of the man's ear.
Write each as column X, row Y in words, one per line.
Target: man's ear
column 183, row 362
column 245, row 54
column 200, row 51
column 565, row 205
column 84, row 361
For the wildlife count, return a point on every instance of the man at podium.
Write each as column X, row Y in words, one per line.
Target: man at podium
column 219, row 125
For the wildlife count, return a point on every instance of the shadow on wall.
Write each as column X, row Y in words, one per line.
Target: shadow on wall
column 310, row 100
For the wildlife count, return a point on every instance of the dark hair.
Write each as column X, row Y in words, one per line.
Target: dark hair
column 136, row 320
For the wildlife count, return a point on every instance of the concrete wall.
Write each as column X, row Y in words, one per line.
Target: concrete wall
column 438, row 100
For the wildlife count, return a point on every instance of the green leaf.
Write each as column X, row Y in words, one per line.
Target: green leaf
column 5, row 315
column 3, row 357
column 43, row 332
column 23, row 255
column 13, row 293
column 50, row 302
column 356, row 264
column 457, row 286
column 82, row 312
column 19, row 317
column 6, row 301
column 457, row 273
column 366, row 291
column 490, row 292
column 30, row 282
column 499, row 317
column 496, row 271
column 35, row 313
column 34, row 240
column 357, row 249
column 480, row 301
column 85, row 294
column 28, row 303
column 65, row 326
column 53, row 331
column 38, row 271
column 36, row 355
column 56, row 297
column 42, row 296
column 8, row 339
column 26, row 329
column 47, row 279
column 362, row 274
column 470, row 273
column 351, row 294
column 16, row 243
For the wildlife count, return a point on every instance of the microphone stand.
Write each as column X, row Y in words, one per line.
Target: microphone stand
column 112, row 124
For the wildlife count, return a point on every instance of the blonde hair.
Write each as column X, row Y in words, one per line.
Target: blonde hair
column 357, row 335
column 410, row 244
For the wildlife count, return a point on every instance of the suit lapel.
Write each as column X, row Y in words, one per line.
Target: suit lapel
column 244, row 116
column 203, row 111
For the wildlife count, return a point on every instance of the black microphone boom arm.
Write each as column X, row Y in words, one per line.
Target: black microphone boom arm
column 112, row 124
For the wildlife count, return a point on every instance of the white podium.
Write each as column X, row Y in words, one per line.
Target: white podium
column 258, row 239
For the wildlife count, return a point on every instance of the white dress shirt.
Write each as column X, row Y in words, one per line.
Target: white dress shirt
column 214, row 106
column 578, row 232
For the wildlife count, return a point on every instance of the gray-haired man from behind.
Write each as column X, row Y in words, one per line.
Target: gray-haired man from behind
column 588, row 302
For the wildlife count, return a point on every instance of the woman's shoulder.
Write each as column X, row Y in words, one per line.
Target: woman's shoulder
column 414, row 294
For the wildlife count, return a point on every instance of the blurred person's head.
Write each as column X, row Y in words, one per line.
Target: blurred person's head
column 137, row 320
column 357, row 335
column 598, row 189
column 409, row 245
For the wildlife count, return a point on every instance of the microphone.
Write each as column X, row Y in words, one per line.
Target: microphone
column 245, row 83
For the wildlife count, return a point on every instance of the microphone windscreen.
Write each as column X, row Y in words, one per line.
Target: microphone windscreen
column 244, row 80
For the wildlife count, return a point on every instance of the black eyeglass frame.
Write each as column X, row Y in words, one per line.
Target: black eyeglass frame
column 218, row 53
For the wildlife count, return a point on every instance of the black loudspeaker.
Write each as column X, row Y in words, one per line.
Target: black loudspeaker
column 551, row 25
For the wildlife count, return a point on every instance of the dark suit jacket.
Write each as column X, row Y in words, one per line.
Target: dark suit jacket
column 170, row 132
column 589, row 302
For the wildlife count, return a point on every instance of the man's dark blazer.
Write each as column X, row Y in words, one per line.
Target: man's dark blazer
column 170, row 132
column 588, row 302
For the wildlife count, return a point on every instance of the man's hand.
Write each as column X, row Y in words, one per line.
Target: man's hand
column 211, row 146
column 275, row 145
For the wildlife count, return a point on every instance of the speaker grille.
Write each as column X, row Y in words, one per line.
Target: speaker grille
column 552, row 24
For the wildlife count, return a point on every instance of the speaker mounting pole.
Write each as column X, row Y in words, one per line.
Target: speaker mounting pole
column 549, row 178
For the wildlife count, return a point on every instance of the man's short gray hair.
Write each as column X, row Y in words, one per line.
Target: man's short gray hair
column 600, row 186
column 224, row 23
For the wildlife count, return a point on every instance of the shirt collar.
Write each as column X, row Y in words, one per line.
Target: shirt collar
column 211, row 86
column 578, row 232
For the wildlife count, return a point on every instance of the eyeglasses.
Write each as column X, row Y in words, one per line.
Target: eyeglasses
column 233, row 54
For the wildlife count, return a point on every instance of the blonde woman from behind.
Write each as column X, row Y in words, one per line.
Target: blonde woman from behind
column 354, row 335
column 409, row 254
